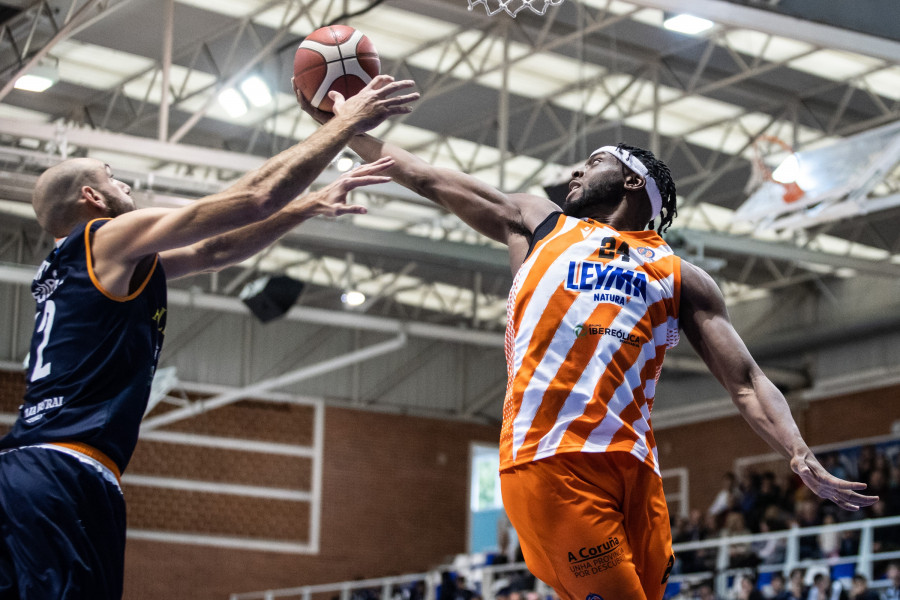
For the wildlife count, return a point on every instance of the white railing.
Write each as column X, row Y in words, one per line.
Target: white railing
column 389, row 588
column 722, row 573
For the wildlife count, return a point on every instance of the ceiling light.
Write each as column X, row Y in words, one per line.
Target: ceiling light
column 788, row 171
column 233, row 103
column 38, row 79
column 688, row 24
column 344, row 163
column 353, row 298
column 256, row 90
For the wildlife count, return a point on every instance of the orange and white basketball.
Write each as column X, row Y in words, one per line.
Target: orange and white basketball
column 336, row 57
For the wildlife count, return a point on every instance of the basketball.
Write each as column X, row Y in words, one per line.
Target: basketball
column 336, row 57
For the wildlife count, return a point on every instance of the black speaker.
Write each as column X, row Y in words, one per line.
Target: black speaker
column 271, row 296
column 557, row 192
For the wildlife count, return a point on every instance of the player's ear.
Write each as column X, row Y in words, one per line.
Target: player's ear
column 92, row 197
column 633, row 181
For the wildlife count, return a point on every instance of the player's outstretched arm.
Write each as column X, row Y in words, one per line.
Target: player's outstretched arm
column 506, row 218
column 705, row 322
column 255, row 196
column 223, row 250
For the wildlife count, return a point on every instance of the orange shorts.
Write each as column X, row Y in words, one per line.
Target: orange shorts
column 591, row 525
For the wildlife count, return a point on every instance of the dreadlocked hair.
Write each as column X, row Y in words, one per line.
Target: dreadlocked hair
column 658, row 170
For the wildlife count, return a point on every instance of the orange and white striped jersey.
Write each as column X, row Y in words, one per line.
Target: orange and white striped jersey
column 590, row 315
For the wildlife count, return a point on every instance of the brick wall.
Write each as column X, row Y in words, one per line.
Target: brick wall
column 394, row 501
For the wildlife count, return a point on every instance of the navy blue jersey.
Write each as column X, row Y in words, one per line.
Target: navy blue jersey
column 93, row 354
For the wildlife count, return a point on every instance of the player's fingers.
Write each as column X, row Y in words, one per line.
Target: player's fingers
column 350, row 209
column 379, row 81
column 395, row 100
column 383, row 163
column 860, row 500
column 395, row 86
column 364, row 180
column 337, row 98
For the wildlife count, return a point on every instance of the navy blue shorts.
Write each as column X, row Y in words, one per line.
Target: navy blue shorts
column 62, row 526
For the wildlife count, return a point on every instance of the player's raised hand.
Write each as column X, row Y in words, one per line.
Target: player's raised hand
column 827, row 486
column 321, row 116
column 331, row 200
column 375, row 103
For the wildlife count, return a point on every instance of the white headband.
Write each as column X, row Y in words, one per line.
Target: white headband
column 638, row 167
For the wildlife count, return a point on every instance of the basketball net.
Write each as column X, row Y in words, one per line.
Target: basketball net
column 765, row 146
column 514, row 7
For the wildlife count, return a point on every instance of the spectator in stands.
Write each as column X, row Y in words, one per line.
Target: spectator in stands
column 747, row 588
column 878, row 484
column 807, row 515
column 824, row 589
column 893, row 590
column 830, row 541
column 884, row 539
column 463, row 592
column 724, row 500
column 778, row 588
column 769, row 496
column 772, row 551
column 849, row 543
column 832, row 464
column 797, row 588
column 859, row 589
column 739, row 555
column 747, row 498
column 693, row 529
column 866, row 463
column 790, row 487
column 893, row 489
column 705, row 591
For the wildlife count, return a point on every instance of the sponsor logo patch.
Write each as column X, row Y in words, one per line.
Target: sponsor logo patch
column 590, row 560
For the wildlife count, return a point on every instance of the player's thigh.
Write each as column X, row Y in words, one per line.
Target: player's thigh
column 647, row 523
column 66, row 533
column 572, row 529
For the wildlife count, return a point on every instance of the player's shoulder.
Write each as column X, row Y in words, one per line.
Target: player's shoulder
column 698, row 288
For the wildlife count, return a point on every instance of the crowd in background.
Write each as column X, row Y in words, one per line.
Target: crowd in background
column 798, row 586
column 761, row 502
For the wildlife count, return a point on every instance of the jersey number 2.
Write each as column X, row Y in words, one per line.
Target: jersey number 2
column 41, row 369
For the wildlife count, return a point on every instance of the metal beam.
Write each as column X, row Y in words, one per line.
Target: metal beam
column 817, row 34
column 66, row 31
column 168, row 152
column 326, row 366
column 733, row 244
column 345, row 319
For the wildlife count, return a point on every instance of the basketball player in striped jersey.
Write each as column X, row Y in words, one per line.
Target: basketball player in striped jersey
column 598, row 297
column 99, row 328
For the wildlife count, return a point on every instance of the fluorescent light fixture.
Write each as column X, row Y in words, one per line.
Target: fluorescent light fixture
column 353, row 298
column 788, row 171
column 256, row 90
column 233, row 103
column 344, row 163
column 688, row 24
column 38, row 79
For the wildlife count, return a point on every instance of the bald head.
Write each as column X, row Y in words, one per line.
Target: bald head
column 60, row 197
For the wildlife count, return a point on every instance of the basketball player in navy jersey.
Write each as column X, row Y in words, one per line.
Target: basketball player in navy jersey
column 99, row 327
